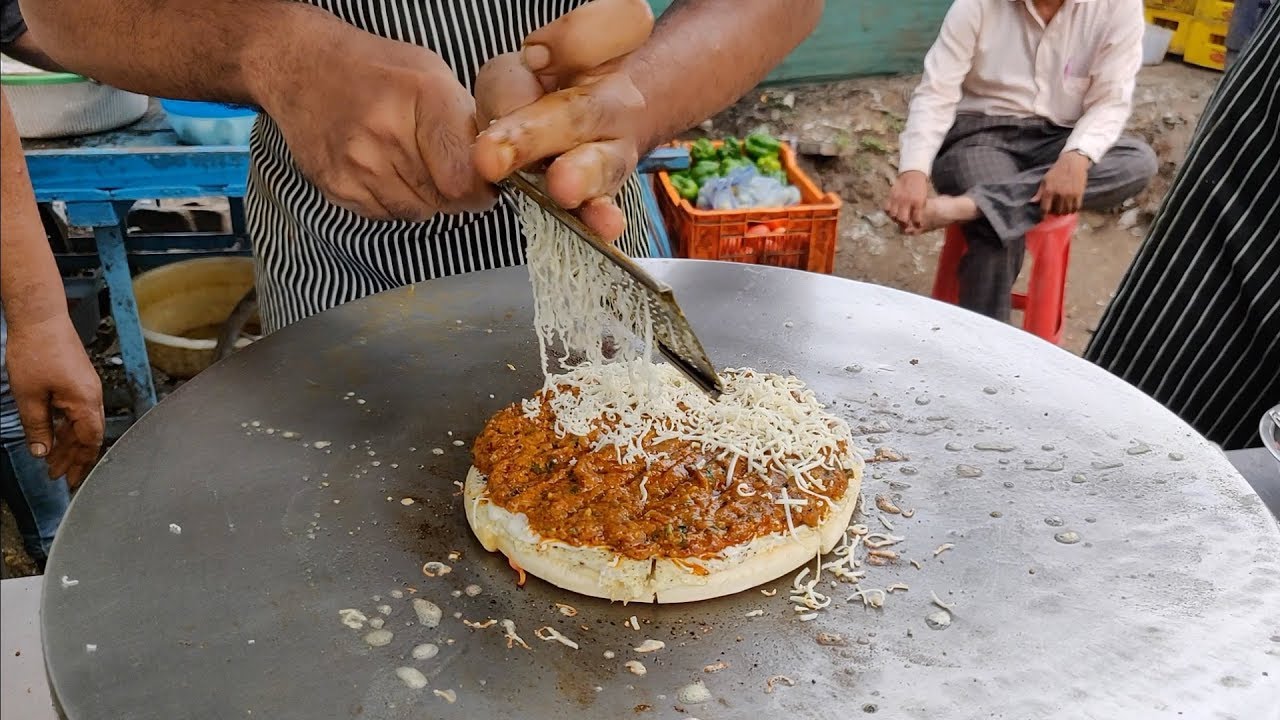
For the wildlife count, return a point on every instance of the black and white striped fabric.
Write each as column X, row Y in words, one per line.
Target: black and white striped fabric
column 312, row 255
column 1196, row 321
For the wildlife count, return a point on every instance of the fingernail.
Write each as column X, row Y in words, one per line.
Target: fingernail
column 507, row 156
column 536, row 57
column 38, row 449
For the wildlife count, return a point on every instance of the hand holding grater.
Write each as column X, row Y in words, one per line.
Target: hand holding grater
column 675, row 337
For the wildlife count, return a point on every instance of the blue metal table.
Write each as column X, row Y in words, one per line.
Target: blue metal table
column 100, row 177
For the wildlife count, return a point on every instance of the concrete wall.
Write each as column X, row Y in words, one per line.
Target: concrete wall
column 861, row 37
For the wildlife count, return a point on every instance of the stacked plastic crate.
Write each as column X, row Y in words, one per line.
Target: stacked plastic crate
column 1199, row 28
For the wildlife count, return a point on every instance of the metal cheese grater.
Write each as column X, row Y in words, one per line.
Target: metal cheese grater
column 675, row 337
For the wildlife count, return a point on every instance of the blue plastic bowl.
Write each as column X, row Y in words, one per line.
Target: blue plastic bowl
column 206, row 123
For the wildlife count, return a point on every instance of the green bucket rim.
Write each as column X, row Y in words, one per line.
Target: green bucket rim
column 41, row 78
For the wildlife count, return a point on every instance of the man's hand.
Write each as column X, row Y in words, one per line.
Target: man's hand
column 382, row 128
column 905, row 205
column 58, row 394
column 1062, row 190
column 563, row 97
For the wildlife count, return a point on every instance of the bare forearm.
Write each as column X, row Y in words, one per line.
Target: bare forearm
column 705, row 54
column 30, row 287
column 26, row 50
column 216, row 50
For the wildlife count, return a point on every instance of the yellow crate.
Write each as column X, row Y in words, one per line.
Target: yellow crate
column 1214, row 11
column 1207, row 45
column 1177, row 6
column 1178, row 22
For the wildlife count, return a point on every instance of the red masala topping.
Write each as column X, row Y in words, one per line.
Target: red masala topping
column 583, row 497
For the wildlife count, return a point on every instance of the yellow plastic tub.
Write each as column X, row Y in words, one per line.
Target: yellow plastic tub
column 183, row 307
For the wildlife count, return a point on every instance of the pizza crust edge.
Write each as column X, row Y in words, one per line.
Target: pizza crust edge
column 600, row 573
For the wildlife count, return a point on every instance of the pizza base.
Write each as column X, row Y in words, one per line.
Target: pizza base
column 601, row 573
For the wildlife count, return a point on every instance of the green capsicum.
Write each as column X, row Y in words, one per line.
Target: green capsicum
column 768, row 164
column 760, row 145
column 685, row 185
column 702, row 150
column 730, row 148
column 729, row 164
column 704, row 170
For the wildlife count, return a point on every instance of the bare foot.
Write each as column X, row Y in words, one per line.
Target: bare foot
column 945, row 210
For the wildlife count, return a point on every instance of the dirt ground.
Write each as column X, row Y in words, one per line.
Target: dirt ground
column 860, row 120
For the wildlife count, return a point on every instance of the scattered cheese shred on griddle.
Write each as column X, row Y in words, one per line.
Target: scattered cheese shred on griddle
column 775, row 680
column 509, row 631
column 551, row 634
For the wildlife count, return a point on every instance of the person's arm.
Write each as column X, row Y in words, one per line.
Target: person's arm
column 933, row 104
column 224, row 50
column 607, row 90
column 705, row 54
column 381, row 127
column 932, row 112
column 48, row 368
column 1109, row 99
column 16, row 41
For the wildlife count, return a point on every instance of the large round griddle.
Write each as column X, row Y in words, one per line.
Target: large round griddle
column 1168, row 606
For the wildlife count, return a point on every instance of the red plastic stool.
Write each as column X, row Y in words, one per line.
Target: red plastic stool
column 1049, row 245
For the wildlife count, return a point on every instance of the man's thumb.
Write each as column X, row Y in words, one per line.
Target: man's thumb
column 37, row 424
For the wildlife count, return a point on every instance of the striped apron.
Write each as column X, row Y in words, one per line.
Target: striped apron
column 312, row 255
column 1196, row 321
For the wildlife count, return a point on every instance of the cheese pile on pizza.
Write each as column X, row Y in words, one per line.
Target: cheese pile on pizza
column 621, row 479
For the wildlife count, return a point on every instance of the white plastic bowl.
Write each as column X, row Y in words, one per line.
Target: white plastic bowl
column 207, row 123
column 50, row 105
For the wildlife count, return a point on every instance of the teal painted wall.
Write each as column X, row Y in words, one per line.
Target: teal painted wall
column 861, row 37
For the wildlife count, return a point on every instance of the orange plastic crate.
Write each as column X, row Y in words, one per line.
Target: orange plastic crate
column 801, row 236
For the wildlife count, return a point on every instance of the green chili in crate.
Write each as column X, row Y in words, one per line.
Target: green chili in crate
column 686, row 186
column 731, row 148
column 769, row 165
column 729, row 164
column 704, row 170
column 761, row 145
column 702, row 150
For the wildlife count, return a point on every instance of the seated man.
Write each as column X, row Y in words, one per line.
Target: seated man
column 1019, row 116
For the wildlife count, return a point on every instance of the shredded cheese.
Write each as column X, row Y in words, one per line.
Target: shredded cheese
column 509, row 631
column 649, row 646
column 551, row 634
column 596, row 344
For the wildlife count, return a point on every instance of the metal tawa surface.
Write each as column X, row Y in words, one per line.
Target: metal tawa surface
column 1107, row 562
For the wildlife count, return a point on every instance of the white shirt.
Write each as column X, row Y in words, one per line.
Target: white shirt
column 998, row 57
